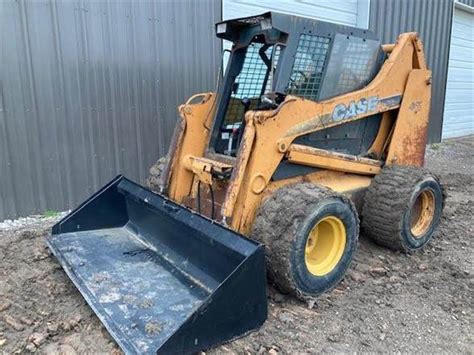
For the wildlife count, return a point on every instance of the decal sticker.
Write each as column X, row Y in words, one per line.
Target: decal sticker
column 391, row 100
column 355, row 108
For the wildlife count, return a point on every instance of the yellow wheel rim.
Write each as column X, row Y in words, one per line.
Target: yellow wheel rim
column 422, row 213
column 325, row 246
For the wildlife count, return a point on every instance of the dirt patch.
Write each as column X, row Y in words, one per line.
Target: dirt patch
column 387, row 302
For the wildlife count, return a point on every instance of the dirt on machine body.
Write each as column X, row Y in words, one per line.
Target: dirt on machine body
column 315, row 131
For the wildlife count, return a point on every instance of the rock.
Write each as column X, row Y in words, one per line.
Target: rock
column 272, row 352
column 4, row 306
column 278, row 297
column 31, row 347
column 395, row 267
column 53, row 328
column 71, row 323
column 310, row 303
column 3, row 342
column 13, row 323
column 379, row 282
column 153, row 327
column 357, row 276
column 382, row 336
column 422, row 267
column 378, row 271
column 335, row 334
column 67, row 349
column 26, row 321
column 395, row 279
column 37, row 338
column 285, row 317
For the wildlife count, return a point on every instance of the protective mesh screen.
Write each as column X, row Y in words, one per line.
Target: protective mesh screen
column 251, row 80
column 308, row 68
column 356, row 66
column 276, row 55
column 354, row 62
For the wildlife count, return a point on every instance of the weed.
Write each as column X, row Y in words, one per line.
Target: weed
column 435, row 146
column 50, row 213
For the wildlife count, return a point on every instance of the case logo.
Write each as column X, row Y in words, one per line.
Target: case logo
column 355, row 108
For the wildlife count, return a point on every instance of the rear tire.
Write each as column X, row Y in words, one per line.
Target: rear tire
column 153, row 179
column 310, row 234
column 402, row 208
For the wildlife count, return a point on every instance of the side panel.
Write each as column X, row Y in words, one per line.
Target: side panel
column 409, row 138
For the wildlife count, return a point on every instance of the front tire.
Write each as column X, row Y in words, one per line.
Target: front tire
column 310, row 234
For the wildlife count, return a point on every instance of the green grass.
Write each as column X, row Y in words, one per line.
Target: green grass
column 436, row 146
column 50, row 213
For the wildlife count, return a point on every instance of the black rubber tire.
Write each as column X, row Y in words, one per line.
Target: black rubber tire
column 388, row 203
column 153, row 179
column 283, row 223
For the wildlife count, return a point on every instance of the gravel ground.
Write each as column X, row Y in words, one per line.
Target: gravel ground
column 388, row 302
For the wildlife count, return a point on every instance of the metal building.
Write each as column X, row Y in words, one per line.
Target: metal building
column 434, row 21
column 89, row 89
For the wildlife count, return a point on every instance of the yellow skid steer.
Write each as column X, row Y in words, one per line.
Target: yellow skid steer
column 313, row 128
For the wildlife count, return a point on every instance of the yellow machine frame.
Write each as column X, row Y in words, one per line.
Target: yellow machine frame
column 268, row 138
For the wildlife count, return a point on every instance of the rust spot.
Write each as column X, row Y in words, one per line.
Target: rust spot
column 415, row 106
column 414, row 149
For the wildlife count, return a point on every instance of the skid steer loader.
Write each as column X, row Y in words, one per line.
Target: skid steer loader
column 313, row 126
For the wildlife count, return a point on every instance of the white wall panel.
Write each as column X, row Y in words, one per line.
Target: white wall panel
column 459, row 103
column 346, row 12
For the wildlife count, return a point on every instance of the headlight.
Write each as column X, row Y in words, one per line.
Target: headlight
column 266, row 24
column 221, row 27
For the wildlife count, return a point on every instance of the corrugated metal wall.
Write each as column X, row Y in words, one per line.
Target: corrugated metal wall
column 89, row 89
column 432, row 20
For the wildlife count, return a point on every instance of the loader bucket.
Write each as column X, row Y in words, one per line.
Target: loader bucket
column 162, row 278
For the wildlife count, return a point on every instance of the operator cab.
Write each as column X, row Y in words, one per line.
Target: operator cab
column 274, row 55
